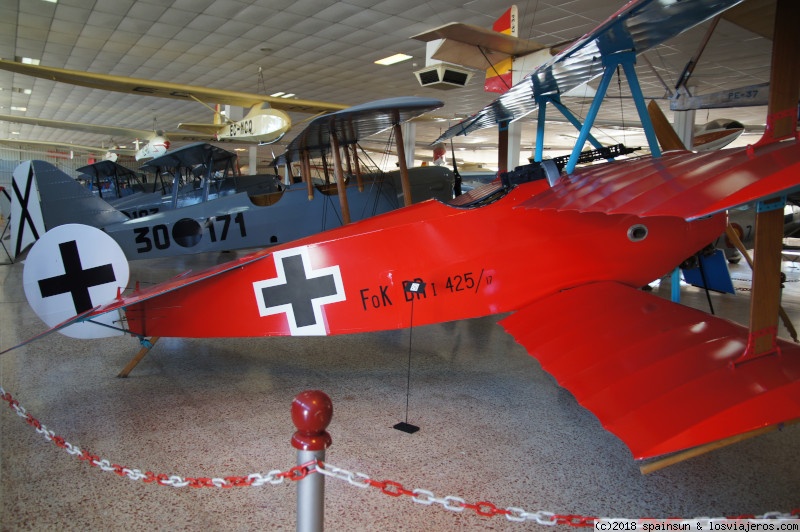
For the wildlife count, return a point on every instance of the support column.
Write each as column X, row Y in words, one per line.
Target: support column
column 288, row 178
column 684, row 127
column 409, row 138
column 252, row 159
column 514, row 140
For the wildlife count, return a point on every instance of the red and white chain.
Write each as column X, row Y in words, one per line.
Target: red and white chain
column 254, row 479
column 359, row 480
column 488, row 509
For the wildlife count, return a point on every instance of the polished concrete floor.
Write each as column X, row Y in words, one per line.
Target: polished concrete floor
column 493, row 427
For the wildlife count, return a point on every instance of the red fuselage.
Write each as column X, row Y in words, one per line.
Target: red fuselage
column 473, row 262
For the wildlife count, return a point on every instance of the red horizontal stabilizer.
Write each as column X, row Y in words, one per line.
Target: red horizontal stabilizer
column 657, row 374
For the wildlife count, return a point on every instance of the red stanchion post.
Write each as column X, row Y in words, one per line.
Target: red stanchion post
column 312, row 411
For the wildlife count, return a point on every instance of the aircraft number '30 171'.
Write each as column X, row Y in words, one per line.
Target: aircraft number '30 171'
column 187, row 232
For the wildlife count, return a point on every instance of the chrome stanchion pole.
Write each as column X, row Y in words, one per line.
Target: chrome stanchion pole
column 312, row 411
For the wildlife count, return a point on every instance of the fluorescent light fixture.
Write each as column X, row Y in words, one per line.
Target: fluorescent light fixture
column 392, row 59
column 15, row 108
column 277, row 94
column 290, row 95
column 29, row 61
column 15, row 132
column 51, row 1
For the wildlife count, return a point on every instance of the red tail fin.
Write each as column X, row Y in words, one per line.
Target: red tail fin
column 498, row 77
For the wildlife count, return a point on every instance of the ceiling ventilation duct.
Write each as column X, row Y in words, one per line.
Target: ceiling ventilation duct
column 443, row 76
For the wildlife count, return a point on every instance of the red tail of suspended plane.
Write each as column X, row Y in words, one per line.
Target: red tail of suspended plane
column 498, row 76
column 663, row 377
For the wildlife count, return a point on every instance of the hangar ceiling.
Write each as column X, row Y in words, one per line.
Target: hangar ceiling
column 325, row 50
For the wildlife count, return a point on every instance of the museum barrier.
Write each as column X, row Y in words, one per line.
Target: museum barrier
column 311, row 412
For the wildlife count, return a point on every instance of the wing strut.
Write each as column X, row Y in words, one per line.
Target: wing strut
column 339, row 174
column 540, row 121
column 357, row 167
column 502, row 146
column 781, row 123
column 401, row 159
column 147, row 345
column 665, row 133
column 733, row 236
column 306, row 169
column 626, row 60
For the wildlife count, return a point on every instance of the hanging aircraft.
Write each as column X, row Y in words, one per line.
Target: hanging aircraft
column 265, row 122
column 508, row 58
column 100, row 152
column 662, row 377
column 261, row 124
column 149, row 144
column 253, row 213
column 505, row 57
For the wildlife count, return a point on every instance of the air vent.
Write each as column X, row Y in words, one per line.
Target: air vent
column 443, row 76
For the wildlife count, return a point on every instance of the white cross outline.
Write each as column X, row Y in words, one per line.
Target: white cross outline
column 319, row 328
column 25, row 231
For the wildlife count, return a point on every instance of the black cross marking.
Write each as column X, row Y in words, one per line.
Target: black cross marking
column 26, row 215
column 75, row 280
column 299, row 291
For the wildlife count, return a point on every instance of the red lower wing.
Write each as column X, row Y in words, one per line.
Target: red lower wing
column 657, row 374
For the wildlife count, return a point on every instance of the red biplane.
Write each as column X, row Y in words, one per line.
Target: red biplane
column 661, row 376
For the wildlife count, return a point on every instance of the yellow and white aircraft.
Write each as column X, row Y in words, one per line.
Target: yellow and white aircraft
column 266, row 122
column 149, row 144
column 110, row 153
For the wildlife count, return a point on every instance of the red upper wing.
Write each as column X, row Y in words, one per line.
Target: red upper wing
column 684, row 184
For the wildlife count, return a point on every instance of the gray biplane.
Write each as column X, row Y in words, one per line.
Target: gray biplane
column 111, row 180
column 182, row 177
column 235, row 220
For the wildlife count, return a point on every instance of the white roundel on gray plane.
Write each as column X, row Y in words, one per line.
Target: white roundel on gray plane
column 71, row 269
